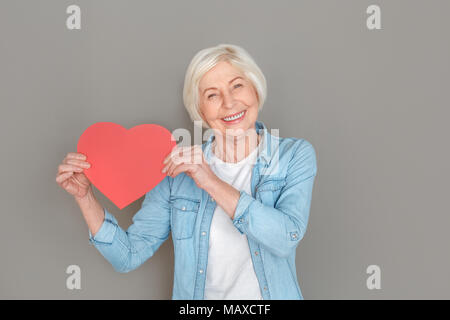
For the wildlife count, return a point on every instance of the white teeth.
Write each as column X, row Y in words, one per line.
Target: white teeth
column 234, row 117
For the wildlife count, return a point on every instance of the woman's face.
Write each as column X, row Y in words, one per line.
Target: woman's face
column 228, row 100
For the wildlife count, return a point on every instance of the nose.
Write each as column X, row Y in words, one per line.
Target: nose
column 228, row 100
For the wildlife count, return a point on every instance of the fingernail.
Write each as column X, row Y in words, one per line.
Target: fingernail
column 164, row 170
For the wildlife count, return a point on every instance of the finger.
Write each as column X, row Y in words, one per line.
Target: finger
column 167, row 158
column 68, row 167
column 80, row 163
column 186, row 158
column 182, row 156
column 63, row 177
column 174, row 152
column 182, row 168
column 179, row 153
column 167, row 166
column 76, row 155
column 171, row 167
column 197, row 156
column 191, row 155
column 170, row 162
column 198, row 147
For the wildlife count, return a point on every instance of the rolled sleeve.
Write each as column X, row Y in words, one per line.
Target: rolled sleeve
column 240, row 220
column 107, row 231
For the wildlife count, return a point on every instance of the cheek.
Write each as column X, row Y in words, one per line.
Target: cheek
column 209, row 110
column 250, row 97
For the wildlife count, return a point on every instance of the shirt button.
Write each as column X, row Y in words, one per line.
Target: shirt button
column 256, row 253
column 240, row 220
column 200, row 271
column 184, row 208
column 212, row 200
column 294, row 235
column 203, row 233
column 265, row 288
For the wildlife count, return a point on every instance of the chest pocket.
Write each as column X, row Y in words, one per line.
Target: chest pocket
column 183, row 215
column 268, row 191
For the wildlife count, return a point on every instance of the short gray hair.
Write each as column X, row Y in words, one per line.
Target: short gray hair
column 205, row 60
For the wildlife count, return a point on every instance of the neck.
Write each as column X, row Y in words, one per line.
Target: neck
column 234, row 148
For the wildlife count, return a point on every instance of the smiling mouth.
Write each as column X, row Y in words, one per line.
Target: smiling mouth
column 234, row 117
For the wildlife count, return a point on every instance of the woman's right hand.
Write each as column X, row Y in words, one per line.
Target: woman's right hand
column 70, row 175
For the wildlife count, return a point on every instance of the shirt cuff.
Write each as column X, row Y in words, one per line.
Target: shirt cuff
column 105, row 234
column 240, row 219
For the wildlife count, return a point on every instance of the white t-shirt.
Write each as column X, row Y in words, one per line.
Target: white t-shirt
column 230, row 273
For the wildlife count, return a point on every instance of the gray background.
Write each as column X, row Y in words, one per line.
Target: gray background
column 373, row 103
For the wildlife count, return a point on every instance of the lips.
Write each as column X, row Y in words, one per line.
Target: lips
column 236, row 117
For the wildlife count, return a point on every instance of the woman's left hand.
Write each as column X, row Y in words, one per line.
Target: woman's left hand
column 191, row 161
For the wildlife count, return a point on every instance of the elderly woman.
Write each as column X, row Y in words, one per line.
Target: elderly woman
column 237, row 215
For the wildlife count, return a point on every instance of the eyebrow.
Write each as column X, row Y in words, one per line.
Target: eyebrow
column 238, row 77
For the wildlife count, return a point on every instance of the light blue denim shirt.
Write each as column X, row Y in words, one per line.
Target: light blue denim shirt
column 274, row 219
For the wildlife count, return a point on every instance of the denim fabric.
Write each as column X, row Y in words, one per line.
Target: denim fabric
column 274, row 218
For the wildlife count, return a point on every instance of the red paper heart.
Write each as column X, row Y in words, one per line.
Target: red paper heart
column 125, row 164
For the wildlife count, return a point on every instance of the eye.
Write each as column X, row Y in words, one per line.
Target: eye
column 238, row 85
column 211, row 95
